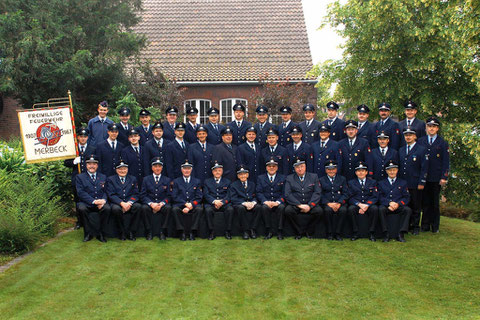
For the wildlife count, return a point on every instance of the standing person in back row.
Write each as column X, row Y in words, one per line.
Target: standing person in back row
column 145, row 129
column 239, row 125
column 284, row 128
column 437, row 176
column 387, row 125
column 98, row 126
column 310, row 125
column 336, row 124
column 226, row 154
column 214, row 128
column 109, row 151
column 412, row 121
column 262, row 126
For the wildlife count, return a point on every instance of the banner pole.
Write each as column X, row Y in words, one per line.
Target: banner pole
column 74, row 129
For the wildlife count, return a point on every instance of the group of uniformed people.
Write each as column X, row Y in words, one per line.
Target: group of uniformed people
column 308, row 172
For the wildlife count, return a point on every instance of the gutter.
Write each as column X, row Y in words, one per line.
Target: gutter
column 236, row 83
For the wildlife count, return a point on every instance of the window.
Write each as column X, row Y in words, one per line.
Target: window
column 276, row 119
column 226, row 112
column 202, row 107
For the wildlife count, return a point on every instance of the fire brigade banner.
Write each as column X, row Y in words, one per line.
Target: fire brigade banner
column 47, row 134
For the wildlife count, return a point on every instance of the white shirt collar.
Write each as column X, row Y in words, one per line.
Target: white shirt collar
column 100, row 118
column 411, row 120
column 110, row 141
column 412, row 145
column 287, row 123
column 157, row 141
column 155, row 176
column 269, row 176
column 364, row 181
column 237, row 121
column 353, row 140
column 192, row 124
column 274, row 147
column 179, row 141
column 325, row 142
column 298, row 144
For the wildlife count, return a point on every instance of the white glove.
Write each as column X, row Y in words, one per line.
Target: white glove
column 76, row 160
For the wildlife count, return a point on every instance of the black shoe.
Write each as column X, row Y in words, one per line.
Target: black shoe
column 298, row 237
column 268, row 236
column 401, row 238
column 211, row 236
column 329, row 237
column 354, row 237
column 253, row 234
column 435, row 231
column 386, row 238
column 308, row 236
column 77, row 226
column 162, row 236
column 149, row 236
column 228, row 235
column 87, row 238
column 425, row 228
column 131, row 236
column 280, row 235
column 416, row 231
column 372, row 238
column 191, row 237
column 245, row 235
column 122, row 237
column 338, row 238
column 183, row 237
column 101, row 238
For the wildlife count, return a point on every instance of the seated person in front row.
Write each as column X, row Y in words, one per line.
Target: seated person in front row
column 270, row 194
column 215, row 191
column 394, row 198
column 242, row 195
column 123, row 195
column 334, row 199
column 303, row 195
column 187, row 202
column 156, row 197
column 363, row 195
column 92, row 200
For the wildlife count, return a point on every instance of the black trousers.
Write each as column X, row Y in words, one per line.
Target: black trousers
column 227, row 211
column 270, row 216
column 330, row 215
column 150, row 219
column 187, row 222
column 120, row 217
column 431, row 206
column 315, row 214
column 248, row 218
column 404, row 211
column 94, row 219
column 416, row 205
column 372, row 214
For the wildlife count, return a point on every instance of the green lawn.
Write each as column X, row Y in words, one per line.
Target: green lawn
column 430, row 276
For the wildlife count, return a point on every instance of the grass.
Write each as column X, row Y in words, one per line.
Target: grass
column 430, row 276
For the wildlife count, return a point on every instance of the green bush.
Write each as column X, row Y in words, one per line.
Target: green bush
column 29, row 210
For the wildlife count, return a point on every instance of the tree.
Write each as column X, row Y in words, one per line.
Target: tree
column 399, row 50
column 49, row 47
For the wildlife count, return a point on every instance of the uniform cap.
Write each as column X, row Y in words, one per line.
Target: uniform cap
column 132, row 131
column 157, row 125
column 144, row 112
column 251, row 129
column 216, row 164
column 180, row 126
column 298, row 161
column 351, row 124
column 383, row 134
column 391, row 164
column 285, row 109
column 192, row 110
column 324, row 127
column 363, row 108
column 432, row 121
column 124, row 111
column 410, row 105
column 104, row 104
column 261, row 110
column 238, row 106
column 384, row 106
column 112, row 127
column 226, row 130
column 271, row 161
column 308, row 107
column 272, row 131
column 361, row 165
column 408, row 130
column 242, row 169
column 93, row 158
column 121, row 164
column 330, row 164
column 186, row 164
column 157, row 160
column 213, row 111
column 201, row 128
column 171, row 109
column 296, row 129
column 82, row 132
column 332, row 105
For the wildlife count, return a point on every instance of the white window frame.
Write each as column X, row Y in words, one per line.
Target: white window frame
column 233, row 100
column 197, row 103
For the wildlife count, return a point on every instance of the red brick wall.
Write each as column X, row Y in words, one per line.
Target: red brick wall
column 217, row 93
column 9, row 126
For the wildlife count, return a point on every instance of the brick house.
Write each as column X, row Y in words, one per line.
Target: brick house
column 218, row 49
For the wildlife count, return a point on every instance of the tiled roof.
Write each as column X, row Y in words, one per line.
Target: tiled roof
column 226, row 40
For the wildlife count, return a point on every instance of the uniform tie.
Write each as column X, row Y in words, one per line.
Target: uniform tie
column 295, row 147
column 238, row 124
column 244, row 184
column 323, row 144
column 409, row 122
column 146, row 129
column 360, row 124
column 431, row 140
column 383, row 152
column 136, row 150
column 122, row 179
column 301, row 178
column 351, row 143
column 408, row 150
column 273, row 150
column 183, row 145
column 229, row 146
column 203, row 147
column 252, row 146
column 187, row 180
column 113, row 146
column 271, row 179
column 157, row 178
column 391, row 181
column 102, row 121
column 215, row 126
column 362, row 183
column 284, row 125
column 329, row 122
column 217, row 181
column 93, row 177
column 82, row 149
